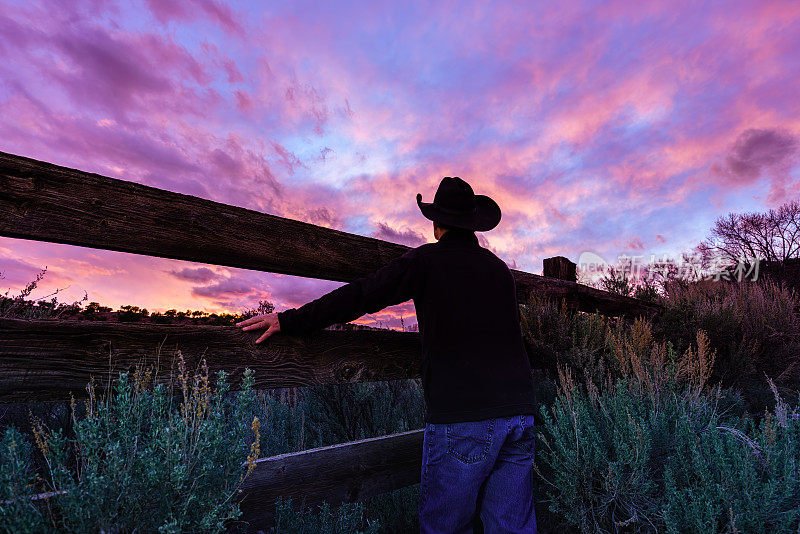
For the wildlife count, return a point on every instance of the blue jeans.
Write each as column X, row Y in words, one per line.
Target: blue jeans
column 478, row 468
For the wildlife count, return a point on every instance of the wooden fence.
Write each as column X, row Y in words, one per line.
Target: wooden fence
column 46, row 359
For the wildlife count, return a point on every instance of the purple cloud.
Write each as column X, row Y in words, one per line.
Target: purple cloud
column 184, row 10
column 198, row 274
column 228, row 287
column 758, row 151
column 404, row 237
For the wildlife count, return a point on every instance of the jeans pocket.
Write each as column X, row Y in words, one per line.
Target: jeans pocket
column 526, row 440
column 469, row 442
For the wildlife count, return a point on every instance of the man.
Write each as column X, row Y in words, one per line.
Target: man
column 477, row 457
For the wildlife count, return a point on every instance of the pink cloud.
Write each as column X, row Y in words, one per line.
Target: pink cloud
column 404, row 237
column 184, row 10
column 244, row 101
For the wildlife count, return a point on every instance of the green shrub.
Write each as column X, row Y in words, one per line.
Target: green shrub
column 338, row 413
column 753, row 327
column 139, row 461
column 283, row 424
column 556, row 335
column 598, row 460
column 719, row 478
column 293, row 419
column 655, row 450
column 348, row 519
column 17, row 483
column 396, row 511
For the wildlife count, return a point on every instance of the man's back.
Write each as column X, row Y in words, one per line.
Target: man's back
column 474, row 363
column 478, row 444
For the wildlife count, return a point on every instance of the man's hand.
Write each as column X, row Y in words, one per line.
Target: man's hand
column 267, row 320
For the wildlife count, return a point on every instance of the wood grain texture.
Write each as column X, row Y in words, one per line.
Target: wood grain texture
column 347, row 472
column 43, row 359
column 47, row 202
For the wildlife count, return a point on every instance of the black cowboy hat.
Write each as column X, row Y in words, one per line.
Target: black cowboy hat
column 455, row 204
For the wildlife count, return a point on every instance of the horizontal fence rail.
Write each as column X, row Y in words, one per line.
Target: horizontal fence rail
column 347, row 472
column 47, row 202
column 43, row 359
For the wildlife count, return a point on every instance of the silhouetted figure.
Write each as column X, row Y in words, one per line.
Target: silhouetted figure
column 477, row 457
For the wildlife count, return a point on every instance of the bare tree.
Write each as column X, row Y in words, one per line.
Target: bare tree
column 617, row 280
column 771, row 236
column 647, row 281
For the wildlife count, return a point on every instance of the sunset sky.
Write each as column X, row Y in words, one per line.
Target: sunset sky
column 612, row 127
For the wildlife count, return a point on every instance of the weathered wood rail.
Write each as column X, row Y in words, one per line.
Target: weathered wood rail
column 46, row 360
column 346, row 472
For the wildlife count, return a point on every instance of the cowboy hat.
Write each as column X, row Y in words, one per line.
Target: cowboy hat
column 455, row 204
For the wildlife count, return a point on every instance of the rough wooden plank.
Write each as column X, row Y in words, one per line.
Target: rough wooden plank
column 47, row 359
column 347, row 472
column 581, row 297
column 47, row 202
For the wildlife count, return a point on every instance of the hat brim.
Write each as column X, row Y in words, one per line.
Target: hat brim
column 486, row 216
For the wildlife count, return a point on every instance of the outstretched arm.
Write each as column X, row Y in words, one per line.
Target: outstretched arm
column 395, row 282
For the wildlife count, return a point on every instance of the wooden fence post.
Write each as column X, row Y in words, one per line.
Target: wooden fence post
column 561, row 268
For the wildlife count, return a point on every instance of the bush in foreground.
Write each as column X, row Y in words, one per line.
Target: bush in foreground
column 654, row 451
column 347, row 518
column 138, row 462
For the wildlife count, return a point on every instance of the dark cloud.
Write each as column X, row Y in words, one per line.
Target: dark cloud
column 224, row 162
column 307, row 99
column 199, row 274
column 758, row 151
column 224, row 288
column 408, row 237
column 125, row 69
column 244, row 101
column 104, row 69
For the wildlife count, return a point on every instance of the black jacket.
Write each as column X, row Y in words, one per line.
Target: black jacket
column 474, row 363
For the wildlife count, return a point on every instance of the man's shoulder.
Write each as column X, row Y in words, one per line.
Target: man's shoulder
column 421, row 250
column 428, row 249
column 412, row 256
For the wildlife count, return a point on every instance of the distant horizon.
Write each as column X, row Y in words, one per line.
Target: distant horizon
column 610, row 128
